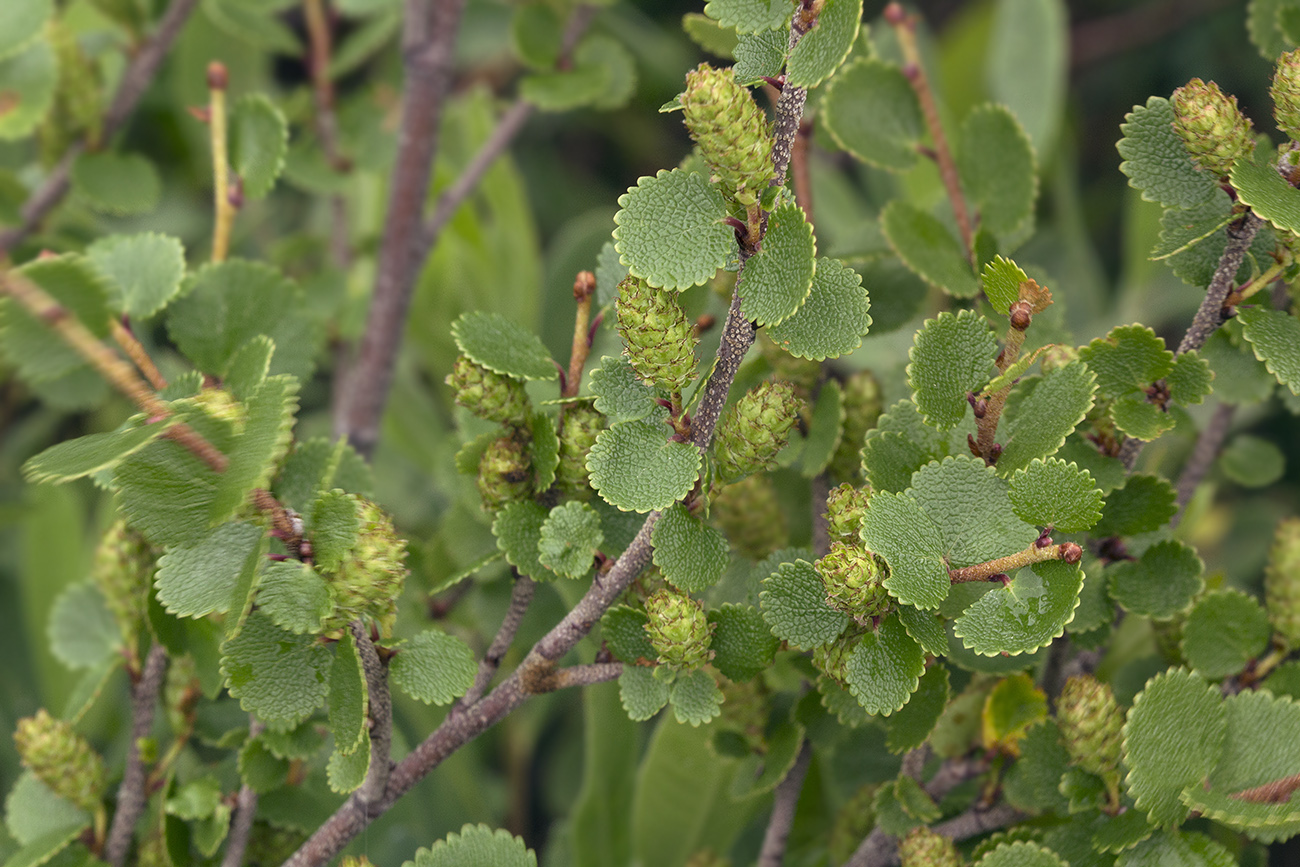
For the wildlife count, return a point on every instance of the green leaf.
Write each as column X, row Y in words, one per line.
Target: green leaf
column 249, row 366
column 275, row 674
column 643, row 694
column 346, row 771
column 749, row 16
column 1001, row 279
column 31, row 78
column 691, row 554
column 1156, row 160
column 927, row 247
column 871, row 111
column 294, row 596
column 1026, row 614
column 267, row 433
column 1266, row 192
column 925, row 629
column 1190, row 380
column 910, row 727
column 536, row 33
column 998, row 170
column 890, row 815
column 898, row 529
column 260, row 769
column 710, row 35
column 318, row 465
column 1127, row 359
column 1020, row 854
column 759, row 774
column 259, row 140
column 885, row 668
column 620, row 393
column 1033, row 783
column 602, row 76
column 1172, row 740
column 569, row 538
column 1118, row 833
column 1239, row 377
column 433, row 667
column 227, row 304
column 609, row 273
column 1139, row 418
column 475, row 845
column 90, row 454
column 794, row 605
column 1056, row 494
column 695, row 697
column 1050, row 413
column 832, row 321
column 198, row 579
column 1144, row 504
column 821, row 50
column 1225, row 630
column 635, row 467
column 83, row 632
column 122, row 185
column 142, row 272
column 825, row 430
column 670, row 231
column 518, row 528
column 334, row 528
column 1252, row 462
column 21, row 22
column 1275, row 337
column 778, row 278
column 1193, row 241
column 1161, row 584
column 348, row 699
column 45, row 847
column 166, row 492
column 742, row 644
column 1264, row 20
column 1183, row 849
column 255, row 23
column 33, row 810
column 970, row 505
column 951, row 355
column 30, row 345
column 1027, row 62
column 502, row 346
column 623, row 629
column 915, row 801
column 545, row 449
column 760, row 55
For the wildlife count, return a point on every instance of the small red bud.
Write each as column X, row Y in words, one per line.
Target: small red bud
column 895, row 14
column 583, row 286
column 1070, row 552
column 218, row 77
column 1022, row 314
column 705, row 322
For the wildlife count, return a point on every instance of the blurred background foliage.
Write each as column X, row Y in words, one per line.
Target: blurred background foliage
column 539, row 216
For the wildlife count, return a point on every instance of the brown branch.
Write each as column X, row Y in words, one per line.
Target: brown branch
column 520, row 597
column 585, row 675
column 1067, row 551
column 241, row 825
column 139, row 74
column 428, row 50
column 381, row 715
column 130, row 345
column 800, row 169
column 1202, row 457
column 584, row 287
column 785, row 800
column 131, row 795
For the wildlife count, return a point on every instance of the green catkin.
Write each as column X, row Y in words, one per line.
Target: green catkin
column 731, row 132
column 1212, row 128
column 755, row 429
column 679, row 629
column 659, row 341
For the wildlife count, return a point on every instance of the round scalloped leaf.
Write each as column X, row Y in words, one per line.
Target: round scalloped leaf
column 691, row 555
column 710, row 35
column 199, row 579
column 1156, row 160
column 1265, row 822
column 31, row 78
column 623, row 630
column 794, row 605
column 260, row 769
column 1172, row 740
column 1027, row 64
column 1239, row 377
column 1190, row 380
column 923, row 627
column 142, row 272
column 1161, row 584
column 502, row 346
column 635, row 467
column 742, row 644
column 1050, row 413
column 476, row 845
column 897, row 529
column 518, row 528
column 885, row 668
column 165, row 492
column 759, row 774
column 30, row 345
column 927, row 247
column 259, row 141
column 1224, row 631
column 225, row 305
column 275, row 674
column 834, row 318
column 1056, row 494
column 334, row 528
column 749, row 16
column 121, row 185
column 1026, row 614
column 760, row 55
column 1186, row 849
column 544, row 448
column 1275, row 337
column 569, row 538
column 821, row 50
column 21, row 22
column 433, row 667
column 825, row 430
column 950, row 356
column 294, row 597
column 643, row 695
column 778, row 278
column 871, row 111
column 1144, row 504
column 348, row 698
column 670, row 231
column 1021, row 854
column 969, row 503
column 695, row 697
column 620, row 393
column 910, row 727
column 82, row 630
column 318, row 464
column 998, row 170
column 33, row 810
column 1033, row 783
column 1252, row 462
column 269, row 414
column 90, row 454
column 1001, row 279
column 1139, row 418
column 609, row 273
column 346, row 771
column 1269, row 195
column 1129, row 358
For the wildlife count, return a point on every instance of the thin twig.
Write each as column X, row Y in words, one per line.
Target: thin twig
column 381, row 715
column 136, row 352
column 139, row 74
column 131, row 795
column 1202, row 457
column 784, row 802
column 1067, row 551
column 241, row 824
column 224, row 210
column 584, row 287
column 320, row 49
column 585, row 675
column 521, row 595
